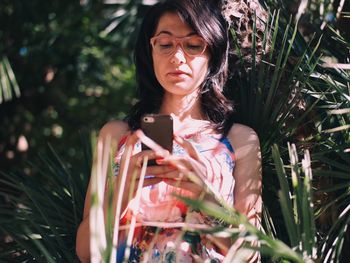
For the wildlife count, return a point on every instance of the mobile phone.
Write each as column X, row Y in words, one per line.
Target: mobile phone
column 160, row 129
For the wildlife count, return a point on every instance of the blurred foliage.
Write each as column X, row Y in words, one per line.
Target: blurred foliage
column 72, row 76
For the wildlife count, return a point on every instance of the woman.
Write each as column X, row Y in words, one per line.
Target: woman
column 181, row 66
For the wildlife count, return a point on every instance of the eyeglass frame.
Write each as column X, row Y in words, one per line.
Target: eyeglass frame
column 179, row 40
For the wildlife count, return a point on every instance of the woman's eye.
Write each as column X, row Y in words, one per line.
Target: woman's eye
column 165, row 45
column 194, row 47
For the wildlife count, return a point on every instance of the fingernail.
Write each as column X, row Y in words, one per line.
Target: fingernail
column 160, row 160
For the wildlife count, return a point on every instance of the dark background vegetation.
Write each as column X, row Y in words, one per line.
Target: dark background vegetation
column 73, row 63
column 73, row 77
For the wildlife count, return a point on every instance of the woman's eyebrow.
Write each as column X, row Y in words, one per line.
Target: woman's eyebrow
column 171, row 34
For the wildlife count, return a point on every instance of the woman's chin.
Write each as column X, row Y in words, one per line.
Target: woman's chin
column 180, row 89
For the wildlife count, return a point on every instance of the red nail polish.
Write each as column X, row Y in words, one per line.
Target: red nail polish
column 160, row 161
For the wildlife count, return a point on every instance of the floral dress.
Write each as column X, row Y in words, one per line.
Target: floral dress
column 152, row 243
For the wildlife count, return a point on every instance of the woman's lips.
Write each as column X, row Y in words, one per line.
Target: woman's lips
column 178, row 73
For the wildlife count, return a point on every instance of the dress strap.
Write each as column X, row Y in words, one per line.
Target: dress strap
column 227, row 143
column 122, row 141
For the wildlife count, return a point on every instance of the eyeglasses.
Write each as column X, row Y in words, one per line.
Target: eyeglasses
column 166, row 45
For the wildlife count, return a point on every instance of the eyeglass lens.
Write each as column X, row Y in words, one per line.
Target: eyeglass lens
column 190, row 45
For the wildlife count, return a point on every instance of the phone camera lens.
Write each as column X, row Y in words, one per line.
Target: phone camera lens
column 148, row 119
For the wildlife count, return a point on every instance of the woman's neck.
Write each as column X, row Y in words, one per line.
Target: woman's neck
column 187, row 114
column 183, row 107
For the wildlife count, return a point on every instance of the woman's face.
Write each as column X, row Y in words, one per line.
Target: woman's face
column 178, row 72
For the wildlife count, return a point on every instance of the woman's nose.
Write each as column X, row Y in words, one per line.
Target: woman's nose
column 179, row 56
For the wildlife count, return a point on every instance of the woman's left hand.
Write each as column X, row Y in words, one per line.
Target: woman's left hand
column 191, row 170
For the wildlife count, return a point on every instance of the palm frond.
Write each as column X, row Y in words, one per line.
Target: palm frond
column 8, row 84
column 296, row 201
column 40, row 220
column 335, row 167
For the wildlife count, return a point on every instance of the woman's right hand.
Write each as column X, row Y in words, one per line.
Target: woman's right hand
column 134, row 165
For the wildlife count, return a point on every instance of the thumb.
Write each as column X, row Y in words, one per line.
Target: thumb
column 188, row 146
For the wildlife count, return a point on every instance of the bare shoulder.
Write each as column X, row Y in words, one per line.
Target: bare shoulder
column 243, row 136
column 247, row 172
column 114, row 129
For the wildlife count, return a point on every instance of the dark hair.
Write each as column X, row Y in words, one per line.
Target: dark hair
column 204, row 16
